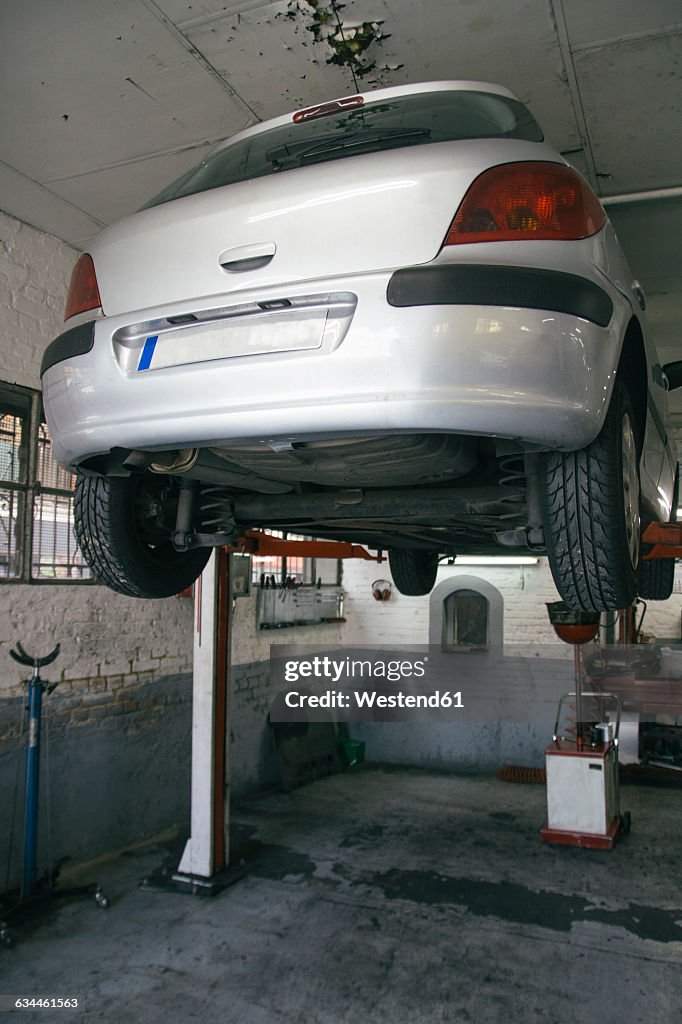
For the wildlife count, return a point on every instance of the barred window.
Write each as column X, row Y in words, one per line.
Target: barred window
column 37, row 542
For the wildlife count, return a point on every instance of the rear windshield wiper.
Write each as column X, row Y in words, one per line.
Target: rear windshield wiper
column 331, row 146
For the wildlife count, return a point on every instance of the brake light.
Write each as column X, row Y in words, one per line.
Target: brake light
column 522, row 201
column 324, row 109
column 83, row 290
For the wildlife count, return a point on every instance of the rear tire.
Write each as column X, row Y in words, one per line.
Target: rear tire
column 123, row 529
column 591, row 514
column 414, row 572
column 657, row 575
column 656, row 579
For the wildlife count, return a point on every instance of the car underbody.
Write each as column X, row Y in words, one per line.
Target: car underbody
column 437, row 492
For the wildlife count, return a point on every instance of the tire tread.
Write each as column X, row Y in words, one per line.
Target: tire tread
column 414, row 571
column 105, row 538
column 584, row 528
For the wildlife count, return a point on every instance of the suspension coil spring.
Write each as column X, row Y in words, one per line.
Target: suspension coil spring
column 215, row 510
column 513, row 477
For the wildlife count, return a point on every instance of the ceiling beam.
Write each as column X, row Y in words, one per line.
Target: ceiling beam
column 564, row 43
column 197, row 55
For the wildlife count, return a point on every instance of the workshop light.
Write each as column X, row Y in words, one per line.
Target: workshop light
column 83, row 289
column 524, row 201
column 496, row 560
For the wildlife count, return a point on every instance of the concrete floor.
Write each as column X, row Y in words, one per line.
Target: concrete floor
column 385, row 895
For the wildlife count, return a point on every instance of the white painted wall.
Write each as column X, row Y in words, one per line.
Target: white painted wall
column 525, row 590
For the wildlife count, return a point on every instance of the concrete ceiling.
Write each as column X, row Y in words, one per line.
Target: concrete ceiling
column 105, row 101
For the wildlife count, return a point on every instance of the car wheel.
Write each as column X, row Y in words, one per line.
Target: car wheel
column 657, row 575
column 591, row 514
column 123, row 527
column 656, row 578
column 413, row 571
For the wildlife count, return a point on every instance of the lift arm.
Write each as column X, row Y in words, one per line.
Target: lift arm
column 255, row 542
column 665, row 538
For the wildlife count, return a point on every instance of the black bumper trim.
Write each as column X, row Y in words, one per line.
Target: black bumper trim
column 474, row 285
column 74, row 342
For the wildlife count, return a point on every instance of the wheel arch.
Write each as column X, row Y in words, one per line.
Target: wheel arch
column 633, row 371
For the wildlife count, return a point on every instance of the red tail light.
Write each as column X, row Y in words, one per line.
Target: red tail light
column 521, row 201
column 83, row 290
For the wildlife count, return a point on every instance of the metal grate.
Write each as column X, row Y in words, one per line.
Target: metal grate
column 11, row 511
column 37, row 541
column 55, row 553
column 13, row 456
column 13, row 470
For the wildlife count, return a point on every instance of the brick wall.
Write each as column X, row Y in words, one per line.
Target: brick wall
column 108, row 641
column 114, row 763
column 405, row 620
column 525, row 590
column 121, row 715
column 34, row 276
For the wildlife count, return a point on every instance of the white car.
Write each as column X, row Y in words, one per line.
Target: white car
column 400, row 319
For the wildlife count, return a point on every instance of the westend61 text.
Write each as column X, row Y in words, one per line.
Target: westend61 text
column 372, row 699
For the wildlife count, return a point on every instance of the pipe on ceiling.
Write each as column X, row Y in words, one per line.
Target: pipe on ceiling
column 642, row 197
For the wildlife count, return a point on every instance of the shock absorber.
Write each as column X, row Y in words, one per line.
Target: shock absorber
column 211, row 508
column 184, row 518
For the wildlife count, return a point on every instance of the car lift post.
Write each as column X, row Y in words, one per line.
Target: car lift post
column 206, row 852
column 203, row 867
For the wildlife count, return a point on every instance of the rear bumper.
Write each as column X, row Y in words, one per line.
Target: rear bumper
column 77, row 341
column 449, row 364
column 463, row 285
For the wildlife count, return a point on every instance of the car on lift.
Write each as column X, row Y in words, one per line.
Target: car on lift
column 398, row 318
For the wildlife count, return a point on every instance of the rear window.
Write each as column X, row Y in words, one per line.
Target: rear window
column 412, row 120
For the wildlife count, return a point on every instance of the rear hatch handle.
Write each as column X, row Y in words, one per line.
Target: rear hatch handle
column 247, row 257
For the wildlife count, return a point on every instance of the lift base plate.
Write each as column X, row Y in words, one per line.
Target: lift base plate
column 191, row 885
column 590, row 840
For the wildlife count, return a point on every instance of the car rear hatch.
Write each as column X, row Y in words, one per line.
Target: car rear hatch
column 348, row 201
column 356, row 216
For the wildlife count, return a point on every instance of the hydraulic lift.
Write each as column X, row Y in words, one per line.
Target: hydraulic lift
column 203, row 867
column 665, row 540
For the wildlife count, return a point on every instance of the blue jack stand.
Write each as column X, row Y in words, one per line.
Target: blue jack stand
column 30, row 894
column 36, row 688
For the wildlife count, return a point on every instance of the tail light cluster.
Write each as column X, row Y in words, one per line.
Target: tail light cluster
column 83, row 290
column 522, row 201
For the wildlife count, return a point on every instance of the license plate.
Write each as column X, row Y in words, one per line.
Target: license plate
column 243, row 336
